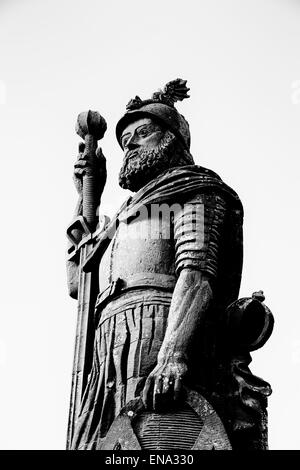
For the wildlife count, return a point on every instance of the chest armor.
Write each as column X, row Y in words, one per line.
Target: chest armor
column 140, row 249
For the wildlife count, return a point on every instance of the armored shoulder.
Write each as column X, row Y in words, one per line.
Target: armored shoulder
column 198, row 230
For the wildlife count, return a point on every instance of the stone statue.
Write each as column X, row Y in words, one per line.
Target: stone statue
column 162, row 337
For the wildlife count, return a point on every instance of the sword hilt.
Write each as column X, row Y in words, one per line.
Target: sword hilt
column 91, row 126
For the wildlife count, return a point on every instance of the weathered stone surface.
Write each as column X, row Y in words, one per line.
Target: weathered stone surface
column 192, row 424
column 160, row 325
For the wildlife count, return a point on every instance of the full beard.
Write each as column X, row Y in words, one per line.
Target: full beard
column 142, row 165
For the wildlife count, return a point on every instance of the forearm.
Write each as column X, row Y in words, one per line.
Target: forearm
column 191, row 299
column 72, row 266
column 82, row 165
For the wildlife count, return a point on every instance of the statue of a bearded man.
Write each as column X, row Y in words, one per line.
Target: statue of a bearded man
column 170, row 339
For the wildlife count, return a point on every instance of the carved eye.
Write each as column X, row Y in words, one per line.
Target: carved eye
column 144, row 132
column 124, row 142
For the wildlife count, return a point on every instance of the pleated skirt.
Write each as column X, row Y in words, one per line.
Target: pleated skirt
column 127, row 340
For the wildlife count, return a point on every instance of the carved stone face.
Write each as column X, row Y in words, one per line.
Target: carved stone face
column 149, row 150
column 141, row 133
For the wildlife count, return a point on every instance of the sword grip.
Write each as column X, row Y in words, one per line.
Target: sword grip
column 89, row 202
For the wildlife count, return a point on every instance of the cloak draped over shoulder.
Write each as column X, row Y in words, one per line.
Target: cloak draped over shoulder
column 175, row 185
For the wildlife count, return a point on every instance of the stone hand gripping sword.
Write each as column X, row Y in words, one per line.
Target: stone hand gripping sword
column 91, row 126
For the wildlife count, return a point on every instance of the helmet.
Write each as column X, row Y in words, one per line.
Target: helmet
column 161, row 108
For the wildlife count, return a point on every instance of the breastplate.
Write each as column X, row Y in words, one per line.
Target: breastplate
column 139, row 247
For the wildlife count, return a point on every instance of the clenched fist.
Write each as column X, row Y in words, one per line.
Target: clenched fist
column 98, row 169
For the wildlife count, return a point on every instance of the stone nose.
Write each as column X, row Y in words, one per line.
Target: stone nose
column 132, row 142
column 131, row 145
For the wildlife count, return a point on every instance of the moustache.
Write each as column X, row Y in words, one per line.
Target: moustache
column 131, row 154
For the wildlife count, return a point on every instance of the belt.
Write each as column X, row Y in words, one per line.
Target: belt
column 137, row 281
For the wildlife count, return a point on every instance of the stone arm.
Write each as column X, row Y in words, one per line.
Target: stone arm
column 79, row 170
column 72, row 265
column 191, row 299
column 198, row 233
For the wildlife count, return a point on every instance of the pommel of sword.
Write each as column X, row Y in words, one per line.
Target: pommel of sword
column 91, row 127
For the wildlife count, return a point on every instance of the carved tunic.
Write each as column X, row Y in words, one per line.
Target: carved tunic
column 150, row 251
column 137, row 275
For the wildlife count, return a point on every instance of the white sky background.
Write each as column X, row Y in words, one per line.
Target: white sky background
column 61, row 57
